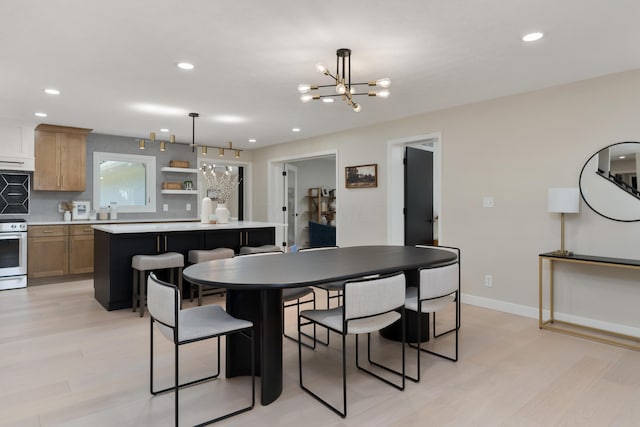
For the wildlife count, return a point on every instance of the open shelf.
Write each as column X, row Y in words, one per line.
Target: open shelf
column 179, row 191
column 178, row 170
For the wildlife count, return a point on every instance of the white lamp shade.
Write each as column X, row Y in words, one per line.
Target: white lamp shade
column 565, row 200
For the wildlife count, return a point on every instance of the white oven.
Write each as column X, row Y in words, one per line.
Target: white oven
column 13, row 254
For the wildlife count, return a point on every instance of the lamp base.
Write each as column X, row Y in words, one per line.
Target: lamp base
column 562, row 252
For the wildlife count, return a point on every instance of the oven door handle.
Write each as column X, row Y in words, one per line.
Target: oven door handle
column 12, row 235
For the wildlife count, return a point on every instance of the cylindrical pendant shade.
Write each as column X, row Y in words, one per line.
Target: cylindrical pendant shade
column 565, row 200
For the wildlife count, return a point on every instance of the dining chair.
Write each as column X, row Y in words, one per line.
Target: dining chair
column 455, row 251
column 437, row 289
column 291, row 297
column 329, row 288
column 188, row 326
column 369, row 304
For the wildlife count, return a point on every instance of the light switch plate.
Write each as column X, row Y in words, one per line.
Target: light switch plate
column 165, row 207
column 487, row 202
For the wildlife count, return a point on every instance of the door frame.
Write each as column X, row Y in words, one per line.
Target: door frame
column 395, row 184
column 276, row 196
column 289, row 167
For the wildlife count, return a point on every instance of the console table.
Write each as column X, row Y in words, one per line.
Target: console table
column 596, row 334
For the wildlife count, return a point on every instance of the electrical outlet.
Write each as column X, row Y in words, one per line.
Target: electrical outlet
column 488, row 280
column 165, row 207
column 188, row 207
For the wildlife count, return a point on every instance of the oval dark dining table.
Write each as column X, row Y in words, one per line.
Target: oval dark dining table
column 254, row 292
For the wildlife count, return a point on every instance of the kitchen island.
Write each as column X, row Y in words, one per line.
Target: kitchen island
column 115, row 244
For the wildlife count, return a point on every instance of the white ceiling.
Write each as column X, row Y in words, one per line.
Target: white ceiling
column 111, row 58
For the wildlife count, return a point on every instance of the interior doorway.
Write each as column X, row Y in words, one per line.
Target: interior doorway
column 396, row 187
column 290, row 201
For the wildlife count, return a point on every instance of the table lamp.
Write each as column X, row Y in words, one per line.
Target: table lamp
column 563, row 200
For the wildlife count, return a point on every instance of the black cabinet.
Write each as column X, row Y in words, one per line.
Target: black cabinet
column 113, row 252
column 235, row 239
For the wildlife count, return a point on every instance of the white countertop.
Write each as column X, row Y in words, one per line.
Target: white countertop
column 109, row 221
column 179, row 226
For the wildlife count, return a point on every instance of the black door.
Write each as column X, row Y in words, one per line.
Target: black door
column 418, row 197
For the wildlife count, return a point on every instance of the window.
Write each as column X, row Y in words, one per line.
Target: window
column 127, row 181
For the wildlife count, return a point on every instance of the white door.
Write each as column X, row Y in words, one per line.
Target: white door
column 291, row 199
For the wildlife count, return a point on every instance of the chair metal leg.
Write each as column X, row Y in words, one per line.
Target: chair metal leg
column 142, row 298
column 176, row 386
column 343, row 413
column 134, row 290
column 297, row 304
column 386, row 368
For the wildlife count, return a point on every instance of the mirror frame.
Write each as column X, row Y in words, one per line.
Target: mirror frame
column 150, row 168
column 591, row 204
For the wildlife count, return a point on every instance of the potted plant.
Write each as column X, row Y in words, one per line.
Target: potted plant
column 67, row 207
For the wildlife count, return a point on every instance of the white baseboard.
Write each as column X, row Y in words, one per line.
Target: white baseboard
column 532, row 312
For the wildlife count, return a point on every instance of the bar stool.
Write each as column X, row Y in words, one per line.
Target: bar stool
column 198, row 255
column 143, row 264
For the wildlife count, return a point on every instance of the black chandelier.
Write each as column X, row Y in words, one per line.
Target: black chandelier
column 343, row 87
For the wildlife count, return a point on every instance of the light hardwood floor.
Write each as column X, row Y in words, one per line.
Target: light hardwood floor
column 65, row 361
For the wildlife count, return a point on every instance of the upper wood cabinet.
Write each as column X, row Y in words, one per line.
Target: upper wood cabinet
column 60, row 158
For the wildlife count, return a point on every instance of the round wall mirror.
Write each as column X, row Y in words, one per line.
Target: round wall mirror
column 609, row 182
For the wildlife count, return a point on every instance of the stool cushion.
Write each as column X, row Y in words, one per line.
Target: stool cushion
column 154, row 262
column 245, row 250
column 197, row 255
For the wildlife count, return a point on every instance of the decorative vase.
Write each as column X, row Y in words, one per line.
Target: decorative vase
column 66, row 216
column 205, row 210
column 222, row 214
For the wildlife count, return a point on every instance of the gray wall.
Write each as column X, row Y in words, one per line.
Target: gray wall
column 44, row 204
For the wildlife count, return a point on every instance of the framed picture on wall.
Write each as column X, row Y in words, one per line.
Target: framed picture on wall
column 363, row 176
column 81, row 210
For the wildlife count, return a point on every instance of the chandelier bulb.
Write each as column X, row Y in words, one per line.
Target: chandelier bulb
column 384, row 93
column 341, row 89
column 352, row 90
column 356, row 107
column 304, row 88
column 384, row 83
column 321, row 68
column 306, row 98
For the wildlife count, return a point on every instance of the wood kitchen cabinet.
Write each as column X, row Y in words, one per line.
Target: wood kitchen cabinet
column 59, row 250
column 80, row 249
column 48, row 251
column 60, row 158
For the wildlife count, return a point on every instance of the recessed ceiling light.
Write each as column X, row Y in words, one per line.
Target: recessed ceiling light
column 227, row 118
column 164, row 130
column 531, row 37
column 295, row 130
column 40, row 114
column 185, row 66
column 252, row 140
column 327, row 100
column 52, row 91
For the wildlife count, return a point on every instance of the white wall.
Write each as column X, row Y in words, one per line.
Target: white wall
column 512, row 149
